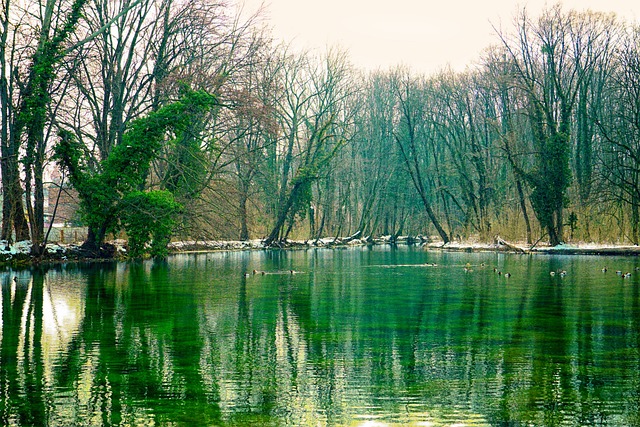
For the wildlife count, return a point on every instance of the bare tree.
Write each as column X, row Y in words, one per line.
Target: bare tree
column 415, row 138
column 252, row 127
column 619, row 125
column 314, row 126
column 374, row 160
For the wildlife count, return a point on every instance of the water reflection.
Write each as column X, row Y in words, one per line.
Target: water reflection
column 355, row 337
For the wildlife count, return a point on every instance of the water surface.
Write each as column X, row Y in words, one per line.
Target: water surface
column 354, row 337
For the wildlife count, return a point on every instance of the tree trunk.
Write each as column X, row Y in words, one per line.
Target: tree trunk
column 321, row 228
column 244, row 228
column 525, row 214
column 414, row 171
column 36, row 212
column 434, row 220
column 12, row 203
column 559, row 225
column 554, row 227
column 312, row 221
column 92, row 244
column 635, row 219
column 282, row 217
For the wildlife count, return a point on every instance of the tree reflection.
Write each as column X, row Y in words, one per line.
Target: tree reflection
column 205, row 342
column 21, row 364
column 137, row 353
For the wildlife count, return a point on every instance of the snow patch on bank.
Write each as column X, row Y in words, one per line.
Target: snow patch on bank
column 61, row 251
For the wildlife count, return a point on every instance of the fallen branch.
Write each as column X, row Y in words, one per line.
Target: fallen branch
column 498, row 241
column 354, row 236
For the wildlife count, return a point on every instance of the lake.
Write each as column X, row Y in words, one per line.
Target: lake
column 369, row 337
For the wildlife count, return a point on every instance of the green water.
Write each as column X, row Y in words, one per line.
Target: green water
column 356, row 337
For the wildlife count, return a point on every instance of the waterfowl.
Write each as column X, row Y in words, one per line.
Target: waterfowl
column 604, row 269
column 507, row 274
column 626, row 275
column 552, row 273
column 619, row 273
column 254, row 272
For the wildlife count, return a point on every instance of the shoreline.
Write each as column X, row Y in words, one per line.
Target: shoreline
column 17, row 256
column 565, row 249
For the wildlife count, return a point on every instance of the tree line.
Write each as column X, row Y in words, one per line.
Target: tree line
column 176, row 119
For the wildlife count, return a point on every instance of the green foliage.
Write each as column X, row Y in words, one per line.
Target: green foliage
column 112, row 196
column 187, row 169
column 550, row 181
column 129, row 162
column 149, row 217
column 98, row 202
column 301, row 199
column 302, row 194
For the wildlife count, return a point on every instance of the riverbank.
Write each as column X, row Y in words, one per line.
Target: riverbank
column 498, row 245
column 18, row 255
column 523, row 248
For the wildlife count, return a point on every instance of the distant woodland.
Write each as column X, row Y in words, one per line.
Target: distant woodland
column 172, row 119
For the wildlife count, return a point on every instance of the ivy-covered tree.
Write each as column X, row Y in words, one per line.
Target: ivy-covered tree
column 26, row 133
column 112, row 196
column 149, row 217
column 552, row 58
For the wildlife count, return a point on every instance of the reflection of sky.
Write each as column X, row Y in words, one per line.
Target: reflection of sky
column 425, row 35
column 62, row 314
column 62, row 311
column 60, row 318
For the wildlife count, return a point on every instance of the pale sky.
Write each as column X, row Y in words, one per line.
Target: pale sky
column 424, row 35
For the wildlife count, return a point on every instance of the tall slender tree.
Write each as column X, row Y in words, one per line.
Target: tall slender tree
column 618, row 125
column 13, row 216
column 414, row 137
column 31, row 114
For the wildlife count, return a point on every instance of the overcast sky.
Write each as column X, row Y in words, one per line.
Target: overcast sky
column 424, row 35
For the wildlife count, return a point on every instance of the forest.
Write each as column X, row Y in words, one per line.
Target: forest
column 176, row 119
